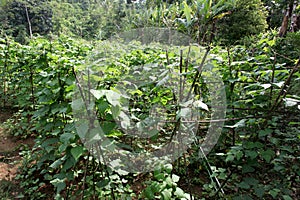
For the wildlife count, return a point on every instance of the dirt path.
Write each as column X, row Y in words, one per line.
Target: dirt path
column 10, row 160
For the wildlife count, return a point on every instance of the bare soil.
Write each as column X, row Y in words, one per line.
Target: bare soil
column 10, row 160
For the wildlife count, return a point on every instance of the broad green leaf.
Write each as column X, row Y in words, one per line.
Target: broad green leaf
column 158, row 186
column 77, row 104
column 287, row 197
column 70, row 162
column 125, row 120
column 77, row 152
column 265, row 132
column 98, row 93
column 241, row 123
column 103, row 183
column 102, row 106
column 66, row 137
column 167, row 194
column 242, row 197
column 268, row 155
column 187, row 12
column 259, row 191
column 291, row 102
column 184, row 113
column 113, row 97
column 168, row 168
column 200, row 104
column 169, row 181
column 59, row 184
column 246, row 169
column 266, row 86
column 175, row 178
column 159, row 176
column 148, row 193
column 274, row 192
column 280, row 84
column 56, row 164
column 251, row 154
column 229, row 158
column 251, row 181
column 179, row 193
column 243, row 185
column 107, row 127
column 94, row 135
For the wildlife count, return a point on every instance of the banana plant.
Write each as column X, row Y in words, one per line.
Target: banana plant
column 201, row 14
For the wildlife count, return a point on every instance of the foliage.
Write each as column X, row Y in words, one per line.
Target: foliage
column 248, row 18
column 16, row 23
column 164, row 185
column 275, row 13
column 85, row 19
column 264, row 139
column 257, row 156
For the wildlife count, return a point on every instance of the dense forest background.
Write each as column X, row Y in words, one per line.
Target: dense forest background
column 254, row 44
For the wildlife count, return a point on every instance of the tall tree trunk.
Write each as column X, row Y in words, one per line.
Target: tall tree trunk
column 285, row 22
column 295, row 19
column 28, row 21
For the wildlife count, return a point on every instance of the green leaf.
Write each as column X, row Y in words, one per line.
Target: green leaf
column 148, row 193
column 251, row 181
column 200, row 104
column 243, row 185
column 159, row 176
column 263, row 133
column 115, row 110
column 169, row 181
column 157, row 186
column 268, row 155
column 179, row 193
column 107, row 127
column 56, row 164
column 184, row 113
column 229, row 157
column 66, row 137
column 291, row 102
column 77, row 104
column 167, row 194
column 168, row 168
column 125, row 120
column 187, row 12
column 266, row 86
column 251, row 154
column 274, row 192
column 102, row 106
column 77, row 152
column 70, row 162
column 280, row 84
column 246, row 169
column 241, row 123
column 113, row 97
column 82, row 128
column 175, row 178
column 59, row 184
column 242, row 197
column 103, row 183
column 286, row 197
column 259, row 191
column 98, row 93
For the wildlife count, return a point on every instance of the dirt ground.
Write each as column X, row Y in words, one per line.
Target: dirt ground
column 9, row 154
column 10, row 160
